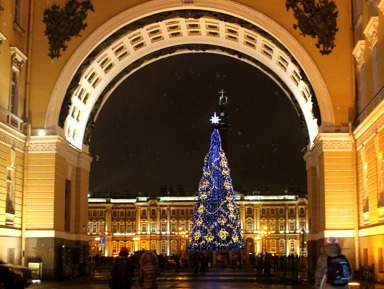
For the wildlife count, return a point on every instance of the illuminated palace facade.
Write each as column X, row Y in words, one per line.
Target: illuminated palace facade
column 53, row 87
column 273, row 224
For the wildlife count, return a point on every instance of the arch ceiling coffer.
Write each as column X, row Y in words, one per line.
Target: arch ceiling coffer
column 177, row 29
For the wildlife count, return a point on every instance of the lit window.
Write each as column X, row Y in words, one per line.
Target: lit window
column 144, row 227
column 163, row 227
column 153, row 227
column 263, row 211
column 122, row 228
column 249, row 211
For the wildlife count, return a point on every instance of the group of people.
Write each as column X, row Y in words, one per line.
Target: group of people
column 123, row 271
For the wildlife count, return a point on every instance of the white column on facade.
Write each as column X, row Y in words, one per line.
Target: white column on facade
column 297, row 216
column 254, row 218
column 258, row 218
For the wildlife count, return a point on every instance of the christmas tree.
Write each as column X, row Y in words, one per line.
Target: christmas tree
column 216, row 224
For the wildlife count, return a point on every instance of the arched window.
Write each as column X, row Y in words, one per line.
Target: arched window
column 114, row 247
column 153, row 246
column 273, row 246
column 163, row 247
column 249, row 211
column 174, row 247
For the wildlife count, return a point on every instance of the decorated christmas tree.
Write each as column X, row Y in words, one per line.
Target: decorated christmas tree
column 216, row 224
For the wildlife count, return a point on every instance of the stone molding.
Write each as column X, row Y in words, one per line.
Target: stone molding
column 18, row 57
column 370, row 31
column 3, row 38
column 12, row 138
column 358, row 53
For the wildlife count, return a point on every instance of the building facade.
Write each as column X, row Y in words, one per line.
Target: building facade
column 273, row 224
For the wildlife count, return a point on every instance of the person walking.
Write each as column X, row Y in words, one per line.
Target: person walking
column 331, row 249
column 122, row 271
column 149, row 270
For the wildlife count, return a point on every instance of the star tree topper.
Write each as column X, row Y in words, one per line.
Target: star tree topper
column 215, row 119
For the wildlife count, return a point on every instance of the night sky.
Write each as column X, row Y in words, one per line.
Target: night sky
column 154, row 130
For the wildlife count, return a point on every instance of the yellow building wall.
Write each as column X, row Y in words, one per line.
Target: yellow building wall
column 339, row 191
column 40, row 205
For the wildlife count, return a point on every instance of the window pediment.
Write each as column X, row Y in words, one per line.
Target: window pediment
column 370, row 31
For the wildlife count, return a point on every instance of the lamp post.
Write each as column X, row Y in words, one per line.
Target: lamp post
column 183, row 236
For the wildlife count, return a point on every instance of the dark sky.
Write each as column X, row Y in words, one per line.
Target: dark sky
column 154, row 129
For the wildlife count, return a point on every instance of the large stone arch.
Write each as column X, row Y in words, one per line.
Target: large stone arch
column 146, row 32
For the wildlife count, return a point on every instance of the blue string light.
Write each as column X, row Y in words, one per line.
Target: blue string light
column 216, row 224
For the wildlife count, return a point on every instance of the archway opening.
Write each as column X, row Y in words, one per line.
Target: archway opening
column 157, row 120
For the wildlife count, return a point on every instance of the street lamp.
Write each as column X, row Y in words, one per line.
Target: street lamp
column 263, row 237
column 183, row 238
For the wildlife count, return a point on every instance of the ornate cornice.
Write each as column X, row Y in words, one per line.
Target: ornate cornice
column 2, row 38
column 57, row 145
column 11, row 137
column 371, row 125
column 359, row 53
column 327, row 142
column 370, row 31
column 18, row 57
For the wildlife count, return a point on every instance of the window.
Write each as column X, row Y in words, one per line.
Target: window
column 182, row 212
column 292, row 247
column 129, row 213
column 163, row 213
column 143, row 213
column 173, row 212
column 273, row 225
column 281, row 247
column 114, row 214
column 249, row 226
column 163, row 227
column 272, row 211
column 122, row 228
column 10, row 202
column 153, row 212
column 101, row 213
column 143, row 227
column 89, row 213
column 281, row 226
column 301, row 211
column 191, row 212
column 114, row 247
column 94, row 227
column 281, row 211
column 153, row 246
column 163, row 248
column 114, row 228
column 273, row 245
column 153, row 227
column 94, row 213
column 89, row 227
column 173, row 247
column 14, row 95
column 122, row 214
column 263, row 211
column 173, row 227
column 101, row 227
column 291, row 225
column 129, row 227
column 249, row 211
column 291, row 211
